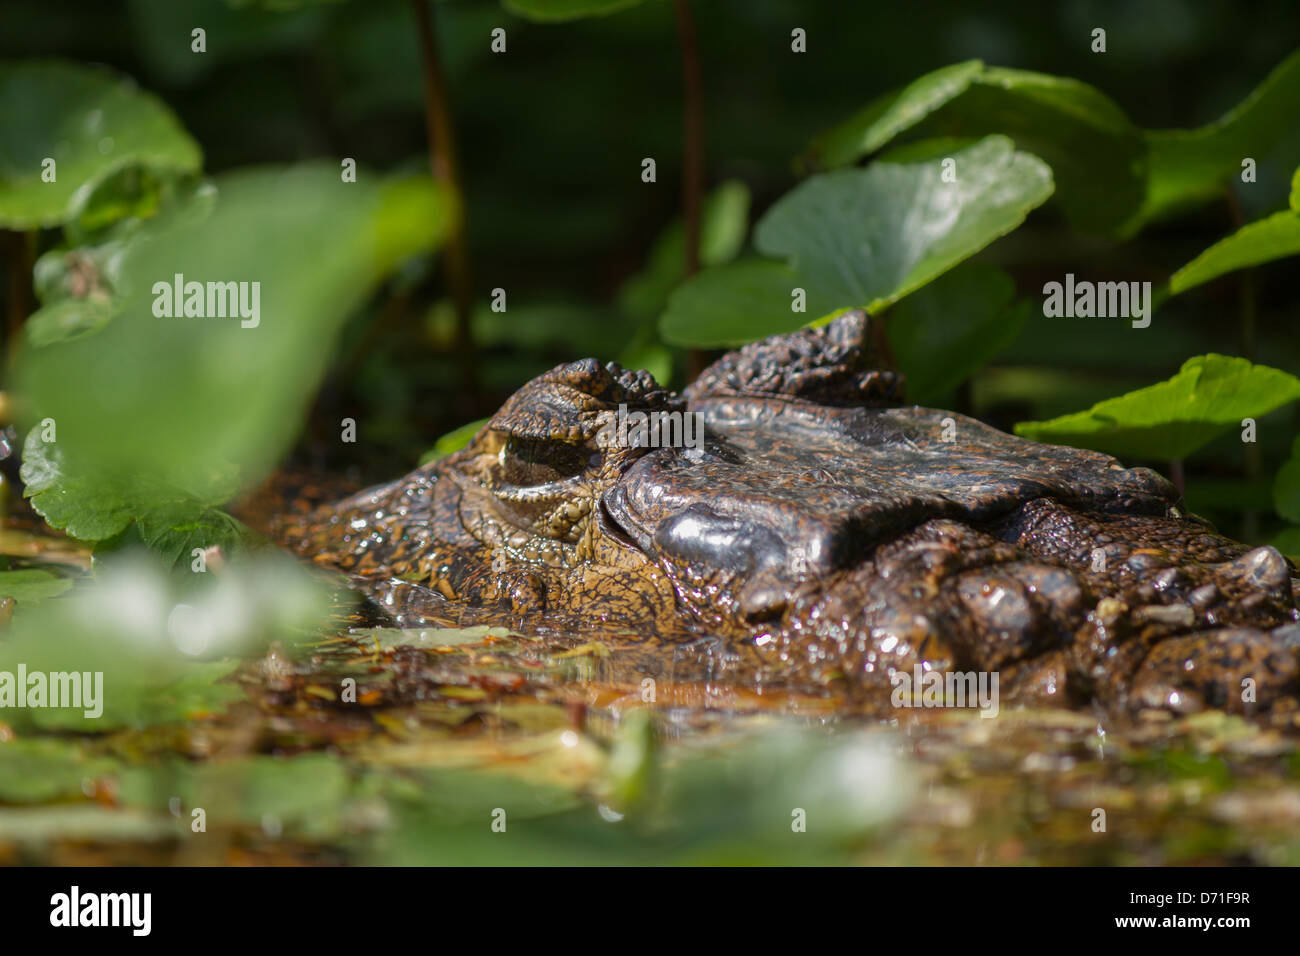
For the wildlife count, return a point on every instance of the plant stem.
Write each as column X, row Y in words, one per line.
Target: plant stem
column 445, row 166
column 1252, row 459
column 1178, row 477
column 692, row 135
column 692, row 155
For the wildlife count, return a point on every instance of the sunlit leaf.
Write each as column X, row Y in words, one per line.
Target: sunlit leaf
column 1274, row 237
column 557, row 10
column 1173, row 418
column 1187, row 165
column 888, row 115
column 454, row 440
column 867, row 237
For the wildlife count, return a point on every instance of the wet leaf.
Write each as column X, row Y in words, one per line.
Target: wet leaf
column 453, row 441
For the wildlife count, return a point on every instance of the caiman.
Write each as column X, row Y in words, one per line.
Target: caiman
column 831, row 535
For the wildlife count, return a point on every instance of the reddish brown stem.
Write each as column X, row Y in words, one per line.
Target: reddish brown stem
column 692, row 156
column 444, row 163
column 692, row 135
column 1252, row 459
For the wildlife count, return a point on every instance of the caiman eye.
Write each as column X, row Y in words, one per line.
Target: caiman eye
column 528, row 461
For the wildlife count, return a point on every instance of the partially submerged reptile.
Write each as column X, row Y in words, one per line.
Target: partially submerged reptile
column 832, row 535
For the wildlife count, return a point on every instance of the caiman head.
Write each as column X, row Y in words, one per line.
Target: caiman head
column 837, row 535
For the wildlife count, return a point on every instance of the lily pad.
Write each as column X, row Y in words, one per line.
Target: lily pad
column 868, row 237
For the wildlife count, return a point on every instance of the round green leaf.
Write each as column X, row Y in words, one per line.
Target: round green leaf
column 868, row 237
column 733, row 304
column 886, row 116
column 1172, row 419
column 92, row 122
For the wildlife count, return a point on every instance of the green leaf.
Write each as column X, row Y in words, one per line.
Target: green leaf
column 68, row 319
column 1286, row 486
column 30, row 585
column 1172, row 419
column 93, row 123
column 100, row 507
column 943, row 333
column 454, row 440
column 734, row 304
column 1274, row 237
column 1095, row 152
column 868, row 237
column 558, row 10
column 888, row 115
column 1187, row 165
column 305, row 795
column 43, row 770
column 145, row 392
column 724, row 221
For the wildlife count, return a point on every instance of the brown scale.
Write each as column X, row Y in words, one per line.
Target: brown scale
column 824, row 535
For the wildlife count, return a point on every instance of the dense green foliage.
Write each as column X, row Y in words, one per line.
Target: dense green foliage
column 938, row 168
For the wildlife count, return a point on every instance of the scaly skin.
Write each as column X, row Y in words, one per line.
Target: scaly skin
column 830, row 536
